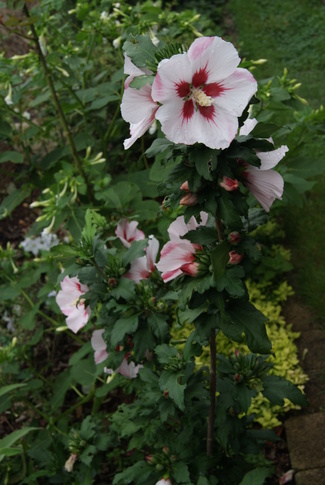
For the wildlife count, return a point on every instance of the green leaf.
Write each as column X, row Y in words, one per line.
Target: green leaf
column 14, row 199
column 165, row 352
column 9, row 440
column 5, row 389
column 277, row 388
column 264, row 130
column 160, row 145
column 123, row 326
column 141, row 470
column 136, row 250
column 245, row 316
column 256, row 217
column 180, row 472
column 204, row 160
column 233, row 281
column 125, row 289
column 257, row 476
column 10, row 156
column 140, row 81
column 101, row 102
column 169, row 381
column 84, row 372
column 202, row 235
column 219, row 260
column 141, row 50
column 228, row 213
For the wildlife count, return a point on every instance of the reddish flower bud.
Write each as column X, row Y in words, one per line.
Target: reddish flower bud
column 234, row 237
column 229, row 184
column 234, row 257
column 166, row 393
column 189, row 199
column 237, row 377
column 185, row 186
column 149, row 459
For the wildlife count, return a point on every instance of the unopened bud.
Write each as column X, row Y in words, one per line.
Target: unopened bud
column 234, row 257
column 234, row 237
column 166, row 393
column 185, row 186
column 189, row 199
column 229, row 184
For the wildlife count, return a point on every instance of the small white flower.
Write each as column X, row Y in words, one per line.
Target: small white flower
column 117, row 42
column 104, row 16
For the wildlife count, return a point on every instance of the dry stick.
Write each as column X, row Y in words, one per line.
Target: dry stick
column 58, row 107
column 213, row 370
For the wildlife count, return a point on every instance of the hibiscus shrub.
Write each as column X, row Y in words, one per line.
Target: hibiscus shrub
column 157, row 238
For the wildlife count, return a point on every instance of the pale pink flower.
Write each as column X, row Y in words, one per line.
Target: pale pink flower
column 137, row 107
column 178, row 255
column 126, row 369
column 99, row 346
column 127, row 232
column 189, row 199
column 164, row 481
column 264, row 183
column 202, row 93
column 71, row 305
column 229, row 184
column 141, row 268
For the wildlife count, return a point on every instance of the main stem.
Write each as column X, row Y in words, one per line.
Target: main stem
column 58, row 107
column 213, row 386
column 213, row 369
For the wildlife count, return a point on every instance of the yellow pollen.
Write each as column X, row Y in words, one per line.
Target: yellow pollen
column 201, row 98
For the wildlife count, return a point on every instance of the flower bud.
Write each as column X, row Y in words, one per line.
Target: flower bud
column 189, row 199
column 234, row 237
column 234, row 257
column 185, row 186
column 229, row 184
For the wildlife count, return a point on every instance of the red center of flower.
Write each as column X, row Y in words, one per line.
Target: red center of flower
column 199, row 95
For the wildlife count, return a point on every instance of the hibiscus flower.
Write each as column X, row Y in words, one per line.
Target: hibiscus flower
column 137, row 107
column 71, row 305
column 127, row 232
column 178, row 255
column 126, row 369
column 141, row 268
column 264, row 183
column 202, row 93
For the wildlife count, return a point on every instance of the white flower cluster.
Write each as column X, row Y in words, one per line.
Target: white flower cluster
column 44, row 242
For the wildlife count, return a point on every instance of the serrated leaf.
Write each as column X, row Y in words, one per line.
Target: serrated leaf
column 277, row 388
column 202, row 235
column 164, row 353
column 136, row 250
column 160, row 145
column 228, row 213
column 169, row 381
column 141, row 50
column 246, row 317
column 140, row 81
column 123, row 326
column 204, row 160
column 180, row 472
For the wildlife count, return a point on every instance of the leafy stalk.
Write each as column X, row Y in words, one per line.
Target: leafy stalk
column 58, row 106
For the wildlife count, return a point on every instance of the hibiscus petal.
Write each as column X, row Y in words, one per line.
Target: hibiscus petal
column 265, row 185
column 137, row 130
column 271, row 159
column 175, row 254
column 217, row 56
column 137, row 104
column 239, row 87
column 171, row 73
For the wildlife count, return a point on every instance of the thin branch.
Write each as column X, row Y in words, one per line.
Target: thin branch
column 213, row 387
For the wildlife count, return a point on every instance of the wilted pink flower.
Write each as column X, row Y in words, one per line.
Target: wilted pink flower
column 99, row 346
column 137, row 106
column 141, row 268
column 127, row 232
column 202, row 93
column 229, row 184
column 69, row 464
column 164, row 481
column 178, row 255
column 71, row 305
column 264, row 183
column 234, row 257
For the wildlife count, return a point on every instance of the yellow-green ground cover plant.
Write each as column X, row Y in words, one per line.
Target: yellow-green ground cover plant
column 95, row 389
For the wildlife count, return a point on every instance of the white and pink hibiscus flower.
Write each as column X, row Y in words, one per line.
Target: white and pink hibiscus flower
column 126, row 369
column 164, row 481
column 177, row 257
column 202, row 93
column 128, row 231
column 141, row 268
column 264, row 183
column 137, row 107
column 71, row 303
